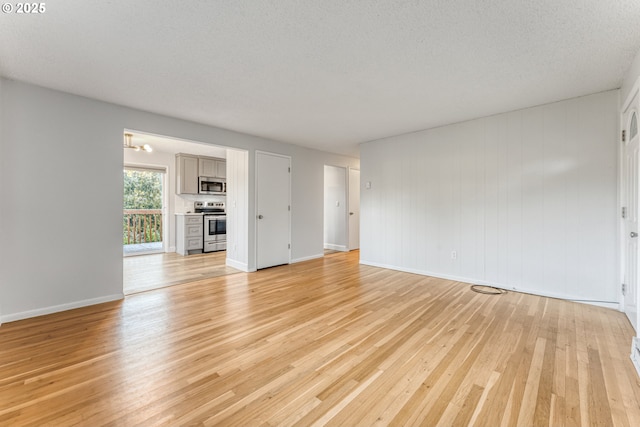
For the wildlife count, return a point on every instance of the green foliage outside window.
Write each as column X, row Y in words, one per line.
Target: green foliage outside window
column 142, row 190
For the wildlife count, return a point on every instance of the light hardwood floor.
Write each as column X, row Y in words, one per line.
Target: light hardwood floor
column 323, row 342
column 144, row 272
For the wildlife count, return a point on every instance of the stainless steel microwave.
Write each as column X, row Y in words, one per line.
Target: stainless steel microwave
column 209, row 185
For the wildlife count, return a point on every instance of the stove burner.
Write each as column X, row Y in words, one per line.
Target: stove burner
column 210, row 208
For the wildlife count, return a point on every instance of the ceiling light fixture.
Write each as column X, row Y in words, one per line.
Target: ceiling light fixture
column 127, row 144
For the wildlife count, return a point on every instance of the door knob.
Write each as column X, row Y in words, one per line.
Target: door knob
column 260, row 217
column 350, row 213
column 633, row 234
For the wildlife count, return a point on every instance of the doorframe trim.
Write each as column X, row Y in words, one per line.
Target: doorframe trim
column 255, row 203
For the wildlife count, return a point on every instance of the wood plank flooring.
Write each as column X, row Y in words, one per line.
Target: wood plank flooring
column 144, row 272
column 323, row 342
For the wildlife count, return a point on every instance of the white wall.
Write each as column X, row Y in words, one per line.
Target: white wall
column 527, row 199
column 335, row 208
column 630, row 78
column 65, row 152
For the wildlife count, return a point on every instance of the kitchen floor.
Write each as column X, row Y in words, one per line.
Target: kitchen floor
column 147, row 272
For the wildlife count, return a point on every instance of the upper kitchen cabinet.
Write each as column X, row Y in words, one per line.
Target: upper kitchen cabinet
column 186, row 174
column 212, row 167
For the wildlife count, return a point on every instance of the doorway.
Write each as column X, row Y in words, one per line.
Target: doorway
column 143, row 211
column 341, row 209
column 167, row 268
column 335, row 210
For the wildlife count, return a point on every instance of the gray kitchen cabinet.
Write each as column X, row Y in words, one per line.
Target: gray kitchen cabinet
column 186, row 174
column 189, row 233
column 221, row 167
column 209, row 166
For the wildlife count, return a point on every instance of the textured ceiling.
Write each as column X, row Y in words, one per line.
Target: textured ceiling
column 325, row 74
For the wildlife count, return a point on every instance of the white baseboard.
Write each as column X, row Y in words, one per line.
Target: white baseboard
column 306, row 258
column 341, row 248
column 242, row 266
column 606, row 304
column 420, row 272
column 171, row 249
column 57, row 308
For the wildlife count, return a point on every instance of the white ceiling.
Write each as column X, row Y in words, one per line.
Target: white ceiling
column 327, row 74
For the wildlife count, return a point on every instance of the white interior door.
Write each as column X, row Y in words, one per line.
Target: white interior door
column 273, row 199
column 630, row 214
column 354, row 209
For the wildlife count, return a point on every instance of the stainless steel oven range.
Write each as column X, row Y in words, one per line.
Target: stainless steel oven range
column 215, row 225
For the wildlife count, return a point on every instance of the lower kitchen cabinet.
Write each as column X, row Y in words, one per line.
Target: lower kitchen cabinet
column 189, row 234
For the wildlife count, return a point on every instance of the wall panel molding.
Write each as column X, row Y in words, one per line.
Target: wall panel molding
column 524, row 200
